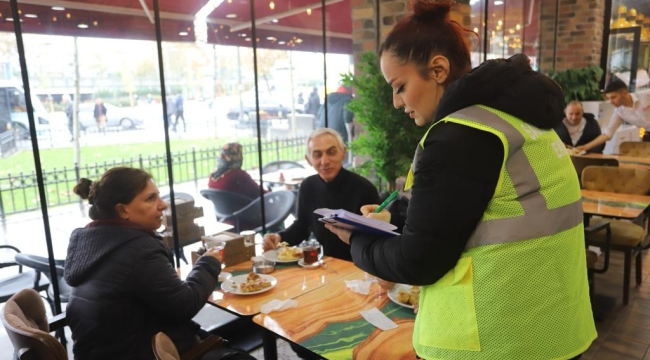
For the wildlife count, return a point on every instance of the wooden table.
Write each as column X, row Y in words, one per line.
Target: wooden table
column 327, row 322
column 614, row 205
column 625, row 161
column 293, row 281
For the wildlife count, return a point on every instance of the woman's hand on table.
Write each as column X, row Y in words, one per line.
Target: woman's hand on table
column 369, row 212
column 343, row 234
column 271, row 241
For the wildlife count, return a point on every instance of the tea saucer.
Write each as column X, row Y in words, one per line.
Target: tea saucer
column 302, row 263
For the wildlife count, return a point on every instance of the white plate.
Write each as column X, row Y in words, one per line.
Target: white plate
column 232, row 285
column 273, row 256
column 223, row 276
column 302, row 263
column 392, row 294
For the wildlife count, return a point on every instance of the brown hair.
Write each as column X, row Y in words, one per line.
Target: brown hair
column 119, row 185
column 428, row 32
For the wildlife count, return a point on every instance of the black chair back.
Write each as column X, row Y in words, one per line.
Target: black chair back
column 277, row 207
column 225, row 203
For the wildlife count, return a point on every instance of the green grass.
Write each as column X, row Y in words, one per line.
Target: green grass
column 20, row 193
column 64, row 157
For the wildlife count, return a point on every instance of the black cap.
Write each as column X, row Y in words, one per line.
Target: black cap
column 615, row 85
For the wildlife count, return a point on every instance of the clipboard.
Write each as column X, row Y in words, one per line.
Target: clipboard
column 351, row 221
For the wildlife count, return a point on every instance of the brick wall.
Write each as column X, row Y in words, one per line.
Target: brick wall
column 579, row 33
column 364, row 21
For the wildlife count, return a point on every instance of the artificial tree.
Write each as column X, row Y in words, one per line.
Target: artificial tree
column 389, row 135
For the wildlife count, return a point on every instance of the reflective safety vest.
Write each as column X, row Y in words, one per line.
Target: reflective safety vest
column 519, row 290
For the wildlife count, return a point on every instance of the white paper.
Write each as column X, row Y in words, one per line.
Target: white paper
column 378, row 224
column 278, row 305
column 378, row 319
column 358, row 286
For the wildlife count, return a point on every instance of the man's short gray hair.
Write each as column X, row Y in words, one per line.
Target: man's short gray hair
column 323, row 131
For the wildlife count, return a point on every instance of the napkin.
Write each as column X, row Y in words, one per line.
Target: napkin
column 378, row 319
column 278, row 305
column 358, row 286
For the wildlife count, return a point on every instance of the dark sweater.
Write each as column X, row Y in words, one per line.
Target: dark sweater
column 347, row 191
column 457, row 173
column 125, row 290
column 590, row 132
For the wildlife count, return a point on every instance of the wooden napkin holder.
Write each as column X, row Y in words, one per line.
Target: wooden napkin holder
column 236, row 251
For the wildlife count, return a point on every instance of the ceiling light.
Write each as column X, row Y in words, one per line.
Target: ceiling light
column 282, row 42
column 54, row 18
column 298, row 41
column 33, row 16
column 58, row 8
column 476, row 30
column 95, row 23
column 182, row 33
column 271, row 5
column 275, row 21
column 82, row 26
column 271, row 38
column 518, row 27
column 9, row 19
column 308, row 11
column 499, row 22
column 498, row 2
column 231, row 16
column 67, row 16
column 248, row 39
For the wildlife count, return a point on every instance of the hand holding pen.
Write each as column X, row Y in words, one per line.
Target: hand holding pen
column 377, row 211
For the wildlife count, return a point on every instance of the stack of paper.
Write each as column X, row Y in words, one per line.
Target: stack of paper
column 347, row 220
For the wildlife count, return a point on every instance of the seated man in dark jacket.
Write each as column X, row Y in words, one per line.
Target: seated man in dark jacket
column 333, row 187
column 578, row 128
column 124, row 287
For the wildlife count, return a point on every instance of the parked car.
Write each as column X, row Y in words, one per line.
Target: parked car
column 115, row 116
column 269, row 105
column 13, row 109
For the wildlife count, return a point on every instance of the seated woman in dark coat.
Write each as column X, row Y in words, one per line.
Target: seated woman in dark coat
column 578, row 128
column 124, row 286
column 229, row 176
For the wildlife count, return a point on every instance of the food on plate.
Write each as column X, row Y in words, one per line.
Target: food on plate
column 286, row 253
column 253, row 283
column 410, row 297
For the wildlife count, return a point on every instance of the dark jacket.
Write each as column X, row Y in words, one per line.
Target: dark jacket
column 457, row 173
column 125, row 290
column 337, row 114
column 313, row 103
column 590, row 132
column 99, row 110
column 347, row 191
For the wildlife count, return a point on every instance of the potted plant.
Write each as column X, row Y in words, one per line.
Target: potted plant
column 389, row 136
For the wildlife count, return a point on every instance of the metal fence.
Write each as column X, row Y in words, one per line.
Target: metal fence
column 19, row 192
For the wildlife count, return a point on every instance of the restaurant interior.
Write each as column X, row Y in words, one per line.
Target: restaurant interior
column 178, row 80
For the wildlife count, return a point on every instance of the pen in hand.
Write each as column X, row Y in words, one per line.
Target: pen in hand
column 388, row 200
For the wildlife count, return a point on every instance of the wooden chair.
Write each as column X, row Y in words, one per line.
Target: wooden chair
column 634, row 148
column 581, row 162
column 627, row 236
column 28, row 328
column 164, row 348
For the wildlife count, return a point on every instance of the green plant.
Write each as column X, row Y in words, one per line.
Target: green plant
column 580, row 84
column 389, row 135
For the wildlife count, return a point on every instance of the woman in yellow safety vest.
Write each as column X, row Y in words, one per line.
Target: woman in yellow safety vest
column 494, row 232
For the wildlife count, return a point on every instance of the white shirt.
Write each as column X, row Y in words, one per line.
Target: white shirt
column 575, row 131
column 637, row 115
